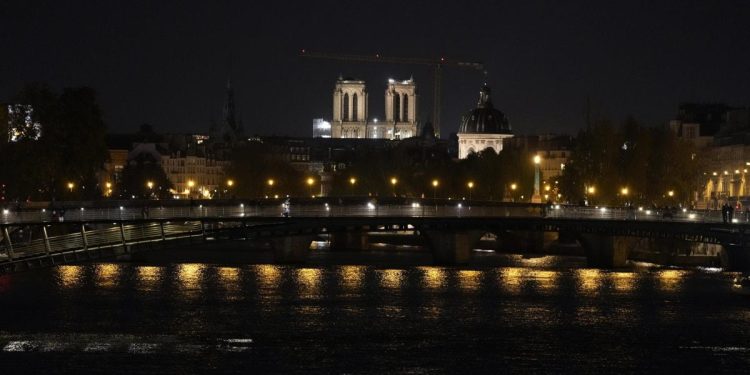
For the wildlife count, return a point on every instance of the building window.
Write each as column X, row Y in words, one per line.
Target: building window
column 406, row 107
column 346, row 107
column 396, row 107
column 355, row 113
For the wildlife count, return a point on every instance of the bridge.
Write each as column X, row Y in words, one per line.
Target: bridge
column 41, row 237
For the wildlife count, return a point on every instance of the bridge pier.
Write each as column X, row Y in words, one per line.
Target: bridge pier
column 292, row 248
column 606, row 251
column 349, row 241
column 452, row 247
column 735, row 258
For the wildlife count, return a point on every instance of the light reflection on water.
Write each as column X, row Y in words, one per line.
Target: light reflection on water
column 70, row 276
column 189, row 277
column 149, row 277
column 526, row 312
column 351, row 277
column 391, row 278
column 434, row 277
column 589, row 280
column 268, row 275
column 469, row 280
column 309, row 281
column 671, row 280
column 107, row 275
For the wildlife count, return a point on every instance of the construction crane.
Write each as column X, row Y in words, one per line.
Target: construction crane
column 437, row 64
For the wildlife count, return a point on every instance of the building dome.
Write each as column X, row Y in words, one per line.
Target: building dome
column 484, row 119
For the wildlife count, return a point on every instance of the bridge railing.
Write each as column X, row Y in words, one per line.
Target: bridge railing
column 25, row 242
column 417, row 208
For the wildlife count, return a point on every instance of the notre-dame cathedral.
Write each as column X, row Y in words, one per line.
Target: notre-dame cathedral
column 350, row 111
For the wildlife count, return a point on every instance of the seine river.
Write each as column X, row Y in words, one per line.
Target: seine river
column 542, row 314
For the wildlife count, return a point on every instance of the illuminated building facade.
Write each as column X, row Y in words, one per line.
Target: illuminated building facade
column 482, row 128
column 350, row 111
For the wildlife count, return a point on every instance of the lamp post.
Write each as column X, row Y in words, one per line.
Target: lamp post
column 150, row 186
column 624, row 193
column 470, row 185
column 71, row 186
column 190, row 185
column 108, row 193
column 435, row 184
column 310, row 182
column 536, row 198
column 513, row 188
column 352, row 181
column 230, row 184
column 394, row 181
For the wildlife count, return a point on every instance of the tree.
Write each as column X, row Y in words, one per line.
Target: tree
column 71, row 148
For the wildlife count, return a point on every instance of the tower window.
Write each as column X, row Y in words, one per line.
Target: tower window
column 406, row 107
column 396, row 107
column 346, row 107
column 354, row 108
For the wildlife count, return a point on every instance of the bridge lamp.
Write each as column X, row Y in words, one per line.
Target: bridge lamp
column 435, row 184
column 352, row 181
column 71, row 186
column 230, row 182
column 470, row 185
column 150, row 184
column 270, row 182
column 394, row 181
column 624, row 191
column 591, row 190
column 670, row 193
column 513, row 186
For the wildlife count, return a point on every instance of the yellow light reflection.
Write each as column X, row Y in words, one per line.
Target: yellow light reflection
column 308, row 280
column 268, row 275
column 589, row 280
column 671, row 280
column 511, row 279
column 434, row 278
column 546, row 280
column 351, row 277
column 106, row 275
column 148, row 276
column 70, row 276
column 469, row 280
column 189, row 276
column 391, row 278
column 623, row 281
column 230, row 277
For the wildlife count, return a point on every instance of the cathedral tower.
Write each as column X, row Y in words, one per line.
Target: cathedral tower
column 349, row 109
column 400, row 110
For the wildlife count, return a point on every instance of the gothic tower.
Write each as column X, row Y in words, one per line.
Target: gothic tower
column 349, row 109
column 400, row 110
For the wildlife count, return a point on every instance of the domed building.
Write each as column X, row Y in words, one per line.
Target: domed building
column 483, row 127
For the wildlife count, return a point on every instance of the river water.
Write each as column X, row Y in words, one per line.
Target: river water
column 549, row 314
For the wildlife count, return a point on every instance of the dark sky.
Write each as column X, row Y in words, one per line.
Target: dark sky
column 167, row 62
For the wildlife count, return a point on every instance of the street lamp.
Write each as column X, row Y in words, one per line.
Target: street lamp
column 230, row 183
column 513, row 188
column 470, row 185
column 536, row 198
column 71, row 186
column 352, row 181
column 435, row 184
column 394, row 181
column 670, row 193
column 190, row 185
column 310, row 182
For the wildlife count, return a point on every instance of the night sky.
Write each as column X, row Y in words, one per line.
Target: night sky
column 167, row 62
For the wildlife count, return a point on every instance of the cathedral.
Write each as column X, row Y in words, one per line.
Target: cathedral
column 351, row 113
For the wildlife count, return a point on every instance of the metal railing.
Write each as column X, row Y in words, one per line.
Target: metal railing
column 367, row 209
